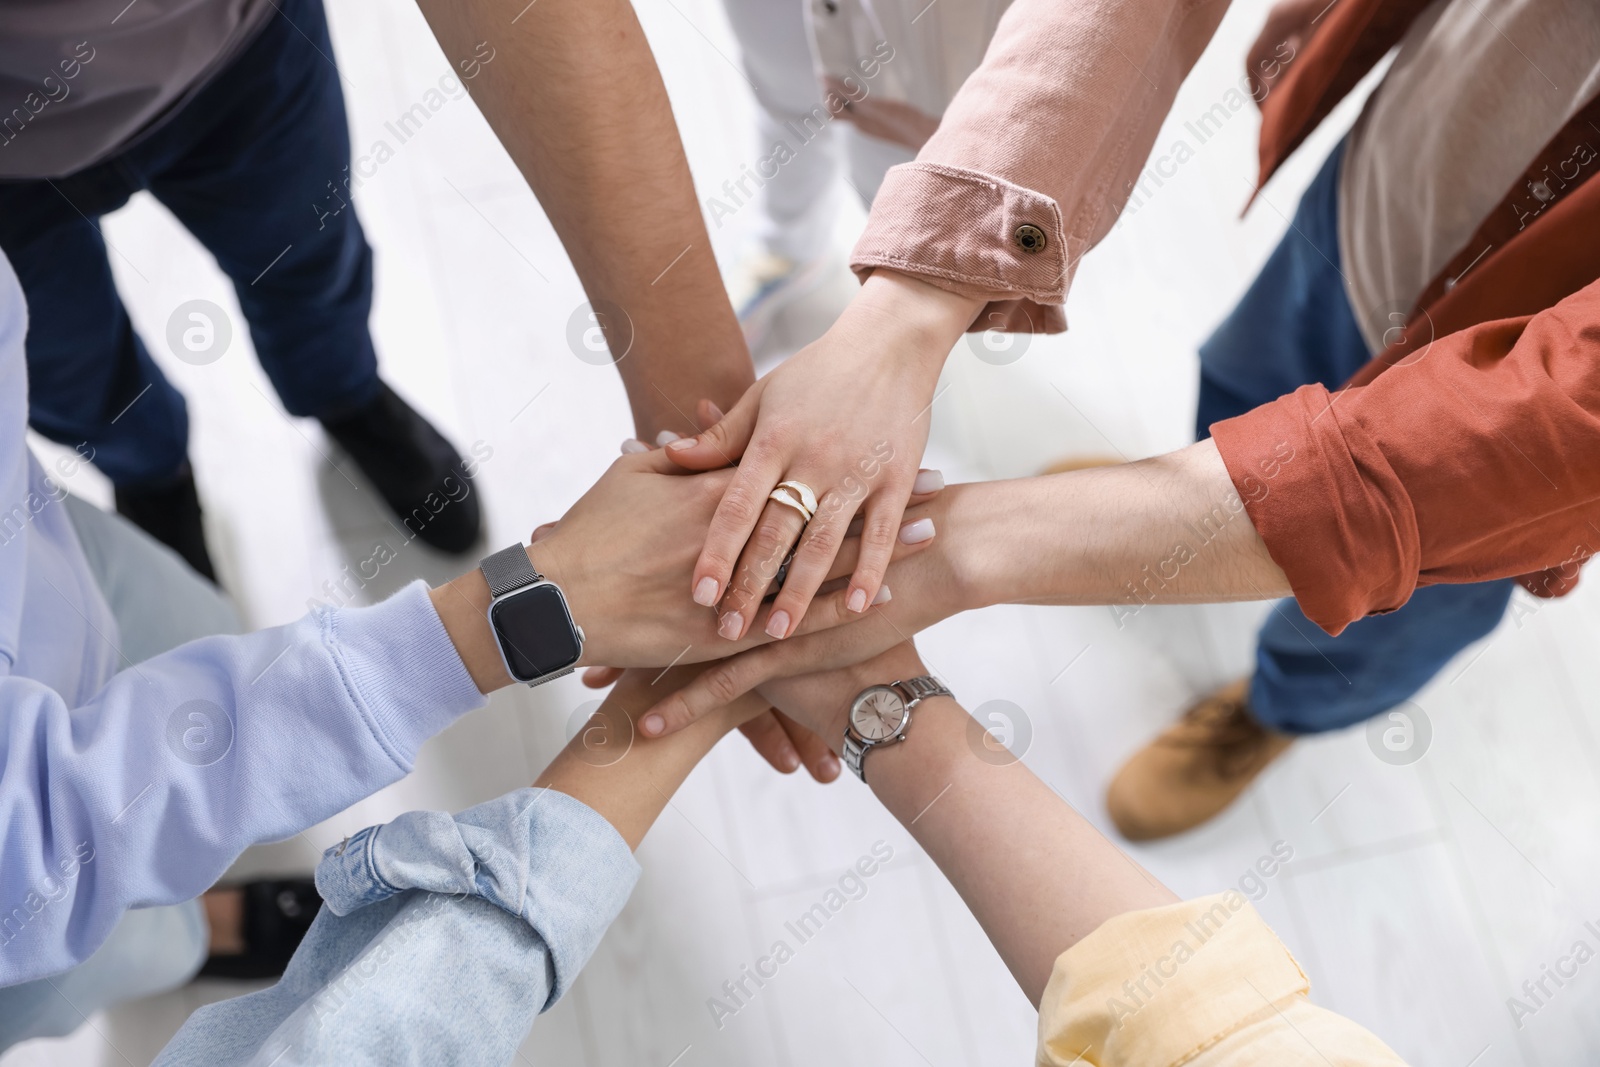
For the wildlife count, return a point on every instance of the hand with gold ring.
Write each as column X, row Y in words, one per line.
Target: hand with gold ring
column 843, row 421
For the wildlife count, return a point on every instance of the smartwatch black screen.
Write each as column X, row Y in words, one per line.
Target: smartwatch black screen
column 535, row 632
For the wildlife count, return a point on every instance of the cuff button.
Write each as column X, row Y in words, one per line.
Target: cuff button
column 1029, row 238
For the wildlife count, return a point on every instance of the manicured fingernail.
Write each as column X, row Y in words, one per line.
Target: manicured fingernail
column 716, row 412
column 705, row 594
column 682, row 443
column 666, row 437
column 632, row 446
column 857, row 601
column 778, row 624
column 652, row 724
column 914, row 533
column 789, row 761
column 730, row 625
column 884, row 596
column 928, row 482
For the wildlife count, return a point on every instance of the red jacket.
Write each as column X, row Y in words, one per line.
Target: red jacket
column 1470, row 449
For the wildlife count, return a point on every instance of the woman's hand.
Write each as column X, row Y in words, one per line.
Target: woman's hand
column 821, row 702
column 623, row 554
column 953, row 575
column 848, row 416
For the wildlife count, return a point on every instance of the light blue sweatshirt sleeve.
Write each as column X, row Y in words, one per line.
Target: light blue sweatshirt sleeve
column 147, row 790
column 439, row 941
column 145, row 794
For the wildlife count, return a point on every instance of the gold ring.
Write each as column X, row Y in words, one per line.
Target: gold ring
column 781, row 495
column 807, row 496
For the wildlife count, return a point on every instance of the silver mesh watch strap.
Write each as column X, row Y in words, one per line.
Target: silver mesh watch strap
column 509, row 569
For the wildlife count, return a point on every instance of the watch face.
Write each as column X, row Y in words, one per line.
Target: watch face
column 878, row 713
column 535, row 632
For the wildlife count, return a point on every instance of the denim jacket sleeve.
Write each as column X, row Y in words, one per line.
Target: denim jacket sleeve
column 439, row 940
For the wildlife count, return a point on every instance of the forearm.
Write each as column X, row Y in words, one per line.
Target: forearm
column 146, row 792
column 1051, row 131
column 1172, row 529
column 624, row 776
column 1036, row 875
column 574, row 95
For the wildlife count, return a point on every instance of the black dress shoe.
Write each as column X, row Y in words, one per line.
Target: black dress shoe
column 276, row 916
column 417, row 472
column 169, row 511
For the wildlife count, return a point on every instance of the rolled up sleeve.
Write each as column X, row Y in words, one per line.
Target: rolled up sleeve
column 1200, row 983
column 1467, row 461
column 1037, row 153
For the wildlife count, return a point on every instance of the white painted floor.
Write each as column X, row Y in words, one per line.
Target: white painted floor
column 1419, row 897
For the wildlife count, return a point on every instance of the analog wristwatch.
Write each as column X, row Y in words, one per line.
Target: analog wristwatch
column 881, row 715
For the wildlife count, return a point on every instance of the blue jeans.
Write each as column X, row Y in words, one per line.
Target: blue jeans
column 1293, row 326
column 246, row 165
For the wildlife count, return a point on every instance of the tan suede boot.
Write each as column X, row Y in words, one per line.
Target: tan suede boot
column 1196, row 768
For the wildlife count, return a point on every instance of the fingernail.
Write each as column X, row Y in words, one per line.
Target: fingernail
column 778, row 624
column 730, row 625
column 790, row 760
column 830, row 765
column 652, row 724
column 857, row 601
column 928, row 482
column 666, row 437
column 914, row 533
column 705, row 594
column 884, row 596
column 633, row 445
column 682, row 443
column 716, row 412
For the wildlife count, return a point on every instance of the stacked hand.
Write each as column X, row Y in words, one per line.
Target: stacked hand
column 842, row 425
column 641, row 480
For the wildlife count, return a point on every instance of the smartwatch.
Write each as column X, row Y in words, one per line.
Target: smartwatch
column 530, row 619
column 881, row 715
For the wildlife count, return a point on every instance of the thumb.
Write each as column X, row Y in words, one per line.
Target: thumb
column 722, row 444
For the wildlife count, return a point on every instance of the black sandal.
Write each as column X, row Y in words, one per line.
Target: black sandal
column 276, row 916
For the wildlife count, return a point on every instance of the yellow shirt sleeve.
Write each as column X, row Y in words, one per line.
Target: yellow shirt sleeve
column 1204, row 983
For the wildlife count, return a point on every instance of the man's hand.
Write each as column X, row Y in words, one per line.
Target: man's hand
column 848, row 416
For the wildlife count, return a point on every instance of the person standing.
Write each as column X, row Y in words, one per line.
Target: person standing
column 230, row 113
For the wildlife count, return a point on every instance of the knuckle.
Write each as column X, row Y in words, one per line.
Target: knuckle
column 715, row 562
column 721, row 685
column 767, row 549
column 740, row 505
column 824, row 538
column 880, row 528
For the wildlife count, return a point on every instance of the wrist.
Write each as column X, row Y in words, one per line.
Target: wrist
column 463, row 608
column 935, row 754
column 549, row 556
column 931, row 319
column 983, row 544
column 672, row 405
